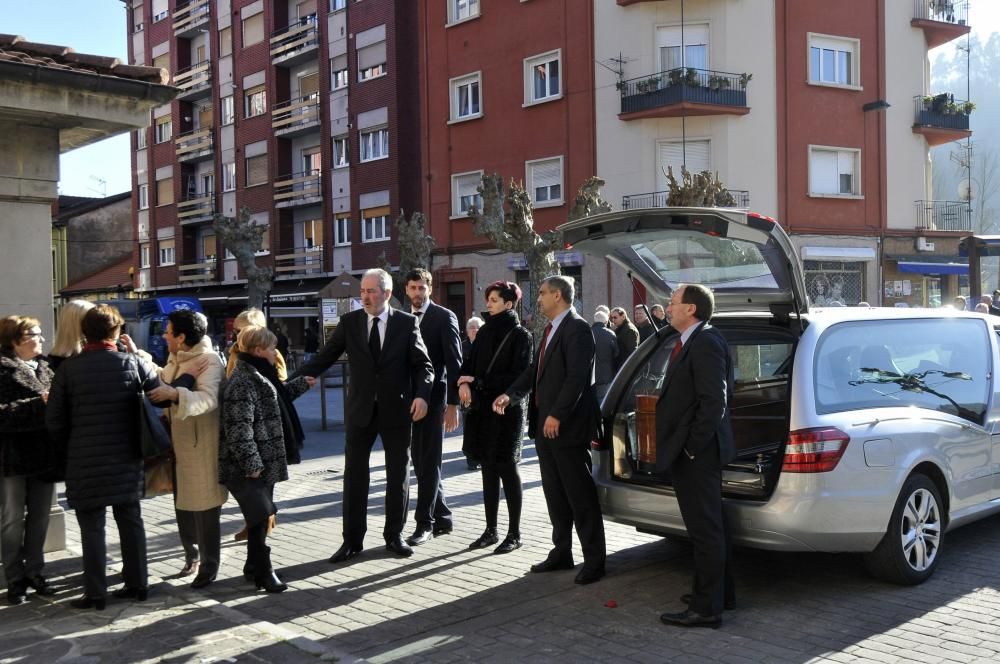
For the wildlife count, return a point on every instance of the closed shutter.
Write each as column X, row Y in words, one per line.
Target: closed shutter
column 208, row 247
column 338, row 63
column 257, row 170
column 163, row 62
column 823, row 175
column 309, row 84
column 225, row 41
column 253, row 30
column 672, row 153
column 165, row 191
column 159, row 8
column 205, row 117
column 371, row 56
column 306, row 8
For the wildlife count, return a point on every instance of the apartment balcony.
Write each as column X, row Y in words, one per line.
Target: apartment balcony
column 195, row 145
column 296, row 43
column 684, row 92
column 194, row 82
column 953, row 216
column 941, row 20
column 299, row 260
column 196, row 208
column 203, row 271
column 295, row 117
column 298, row 190
column 940, row 119
column 738, row 198
column 191, row 18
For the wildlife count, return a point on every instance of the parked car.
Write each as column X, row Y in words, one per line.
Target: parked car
column 858, row 430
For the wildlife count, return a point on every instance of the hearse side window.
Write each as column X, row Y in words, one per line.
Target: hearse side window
column 937, row 364
column 753, row 363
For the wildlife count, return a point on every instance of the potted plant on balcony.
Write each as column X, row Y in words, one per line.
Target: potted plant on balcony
column 744, row 79
column 675, row 76
column 691, row 77
column 968, row 107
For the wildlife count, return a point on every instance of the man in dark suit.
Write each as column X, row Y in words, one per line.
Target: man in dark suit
column 439, row 330
column 390, row 384
column 563, row 418
column 694, row 441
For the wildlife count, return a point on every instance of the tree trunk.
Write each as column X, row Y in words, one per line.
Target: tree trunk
column 243, row 239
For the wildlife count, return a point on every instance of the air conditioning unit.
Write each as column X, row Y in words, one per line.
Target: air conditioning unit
column 924, row 245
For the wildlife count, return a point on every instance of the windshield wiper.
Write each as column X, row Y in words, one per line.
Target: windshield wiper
column 914, row 382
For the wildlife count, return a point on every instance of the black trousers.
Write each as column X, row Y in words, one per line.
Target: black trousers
column 357, row 476
column 201, row 537
column 698, row 486
column 428, row 439
column 132, row 536
column 571, row 498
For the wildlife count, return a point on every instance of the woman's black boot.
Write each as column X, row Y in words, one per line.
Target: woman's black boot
column 271, row 583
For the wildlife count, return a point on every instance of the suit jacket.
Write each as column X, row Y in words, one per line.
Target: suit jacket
column 565, row 387
column 693, row 409
column 439, row 330
column 403, row 372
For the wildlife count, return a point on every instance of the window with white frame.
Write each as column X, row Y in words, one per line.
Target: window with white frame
column 255, row 102
column 265, row 242
column 228, row 112
column 375, row 225
column 312, row 234
column 338, row 72
column 465, row 97
column 341, row 151
column 164, row 129
column 137, row 24
column 143, row 196
column 374, row 144
column 160, row 10
column 140, row 139
column 834, row 60
column 229, row 176
column 371, row 72
column 464, row 194
column 166, row 248
column 668, row 46
column 337, row 5
column 542, row 77
column 144, row 255
column 371, row 61
column 834, row 171
column 342, row 230
column 460, row 10
column 545, row 178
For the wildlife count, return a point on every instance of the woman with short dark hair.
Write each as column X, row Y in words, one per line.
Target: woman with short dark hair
column 25, row 495
column 93, row 408
column 501, row 351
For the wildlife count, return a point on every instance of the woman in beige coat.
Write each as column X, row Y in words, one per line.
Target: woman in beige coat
column 194, row 428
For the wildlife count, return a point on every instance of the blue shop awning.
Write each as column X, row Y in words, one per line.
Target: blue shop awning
column 933, row 268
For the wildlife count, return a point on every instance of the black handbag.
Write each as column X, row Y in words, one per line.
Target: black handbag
column 477, row 386
column 154, row 439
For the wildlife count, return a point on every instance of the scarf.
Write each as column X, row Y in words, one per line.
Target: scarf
column 100, row 345
column 291, row 427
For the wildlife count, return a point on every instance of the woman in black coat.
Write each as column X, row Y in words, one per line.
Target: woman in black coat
column 93, row 409
column 501, row 351
column 25, row 456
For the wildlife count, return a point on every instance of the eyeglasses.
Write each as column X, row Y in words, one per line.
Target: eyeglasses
column 32, row 335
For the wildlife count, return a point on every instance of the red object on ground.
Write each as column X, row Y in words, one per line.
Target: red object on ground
column 611, row 604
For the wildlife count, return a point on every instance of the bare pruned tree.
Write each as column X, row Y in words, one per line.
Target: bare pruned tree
column 243, row 239
column 415, row 248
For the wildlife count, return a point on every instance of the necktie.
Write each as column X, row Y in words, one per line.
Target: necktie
column 374, row 343
column 541, row 358
column 419, row 315
column 676, row 351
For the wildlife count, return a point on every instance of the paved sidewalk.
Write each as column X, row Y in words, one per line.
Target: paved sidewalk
column 448, row 604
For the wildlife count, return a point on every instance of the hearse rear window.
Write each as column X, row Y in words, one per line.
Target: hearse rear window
column 937, row 364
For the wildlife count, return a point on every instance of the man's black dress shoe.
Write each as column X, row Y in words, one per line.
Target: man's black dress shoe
column 125, row 592
column 552, row 565
column 40, row 585
column 691, row 619
column 421, row 535
column 344, row 553
column 17, row 593
column 488, row 538
column 729, row 605
column 589, row 575
column 399, row 547
column 510, row 543
column 202, row 580
column 443, row 529
column 88, row 603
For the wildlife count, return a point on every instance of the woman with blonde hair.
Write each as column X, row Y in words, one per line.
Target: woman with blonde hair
column 69, row 335
column 252, row 316
column 257, row 429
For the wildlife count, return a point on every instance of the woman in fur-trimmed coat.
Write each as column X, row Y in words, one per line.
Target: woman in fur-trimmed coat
column 256, row 424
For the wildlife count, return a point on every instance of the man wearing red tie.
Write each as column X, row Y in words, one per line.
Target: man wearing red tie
column 563, row 416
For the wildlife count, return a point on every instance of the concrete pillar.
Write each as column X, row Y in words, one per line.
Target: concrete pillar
column 29, row 174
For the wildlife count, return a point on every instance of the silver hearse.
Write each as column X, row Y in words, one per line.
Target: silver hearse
column 858, row 430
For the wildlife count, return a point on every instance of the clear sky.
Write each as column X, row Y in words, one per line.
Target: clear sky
column 99, row 27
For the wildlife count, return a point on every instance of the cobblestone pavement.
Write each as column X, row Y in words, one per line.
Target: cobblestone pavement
column 448, row 604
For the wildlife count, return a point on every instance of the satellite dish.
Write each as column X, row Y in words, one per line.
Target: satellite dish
column 966, row 190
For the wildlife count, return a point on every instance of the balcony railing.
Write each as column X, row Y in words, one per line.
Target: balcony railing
column 690, row 91
column 188, row 17
column 941, row 20
column 738, row 198
column 197, row 207
column 300, row 260
column 203, row 271
column 294, row 39
column 295, row 115
column 941, row 119
column 194, row 145
column 194, row 81
column 943, row 216
column 297, row 189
